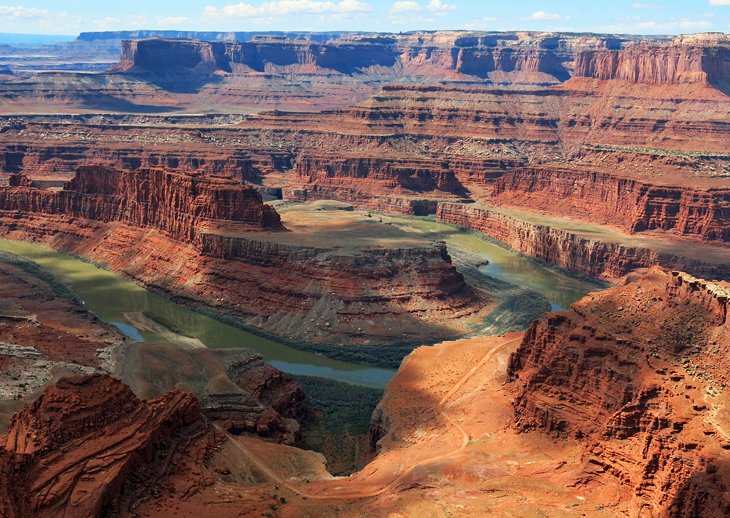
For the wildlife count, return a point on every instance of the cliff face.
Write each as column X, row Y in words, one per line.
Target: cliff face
column 653, row 64
column 520, row 58
column 633, row 374
column 87, row 441
column 587, row 257
column 162, row 56
column 480, row 62
column 417, row 176
column 634, row 206
column 172, row 203
column 46, row 159
column 165, row 56
column 363, row 199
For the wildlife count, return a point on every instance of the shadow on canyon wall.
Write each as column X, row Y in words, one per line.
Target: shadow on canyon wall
column 112, row 103
column 705, row 494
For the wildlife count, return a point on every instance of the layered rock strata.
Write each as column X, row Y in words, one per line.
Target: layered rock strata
column 605, row 199
column 201, row 239
column 517, row 57
column 172, row 203
column 88, row 443
column 637, row 374
column 653, row 64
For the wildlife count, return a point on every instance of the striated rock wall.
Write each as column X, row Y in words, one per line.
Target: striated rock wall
column 161, row 56
column 363, row 199
column 603, row 198
column 44, row 159
column 658, row 64
column 173, row 203
column 637, row 374
column 588, row 257
column 532, row 58
column 415, row 176
column 480, row 62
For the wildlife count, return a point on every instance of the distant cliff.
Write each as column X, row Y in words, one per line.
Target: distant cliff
column 523, row 57
column 658, row 64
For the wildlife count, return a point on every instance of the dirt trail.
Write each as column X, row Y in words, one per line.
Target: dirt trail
column 404, row 470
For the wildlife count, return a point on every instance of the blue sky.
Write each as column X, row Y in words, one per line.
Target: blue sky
column 628, row 16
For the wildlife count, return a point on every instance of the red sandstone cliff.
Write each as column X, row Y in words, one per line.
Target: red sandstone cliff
column 87, row 444
column 414, row 176
column 658, row 64
column 604, row 198
column 638, row 375
column 173, row 203
column 524, row 60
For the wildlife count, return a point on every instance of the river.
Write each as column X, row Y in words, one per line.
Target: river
column 110, row 296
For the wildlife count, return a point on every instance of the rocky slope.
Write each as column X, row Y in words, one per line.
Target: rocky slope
column 234, row 387
column 44, row 334
column 637, row 375
column 87, row 444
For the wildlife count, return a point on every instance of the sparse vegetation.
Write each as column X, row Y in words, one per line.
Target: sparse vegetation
column 340, row 420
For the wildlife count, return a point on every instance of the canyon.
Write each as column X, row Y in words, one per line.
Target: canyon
column 213, row 240
column 548, row 149
column 574, row 405
column 532, row 227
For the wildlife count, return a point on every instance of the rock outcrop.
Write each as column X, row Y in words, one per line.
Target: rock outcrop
column 638, row 375
column 234, row 387
column 175, row 204
column 88, row 443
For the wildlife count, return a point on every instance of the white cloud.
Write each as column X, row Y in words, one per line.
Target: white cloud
column 641, row 5
column 484, row 23
column 437, row 7
column 40, row 21
column 719, row 2
column 285, row 7
column 542, row 16
column 105, row 24
column 172, row 20
column 22, row 12
column 405, row 7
